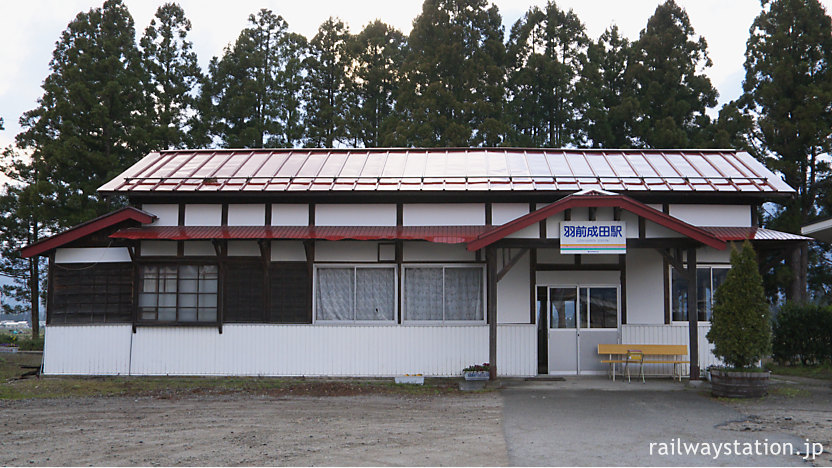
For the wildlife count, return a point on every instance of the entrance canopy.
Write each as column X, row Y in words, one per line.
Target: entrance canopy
column 595, row 199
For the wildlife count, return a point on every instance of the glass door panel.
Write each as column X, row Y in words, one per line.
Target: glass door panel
column 562, row 308
column 563, row 338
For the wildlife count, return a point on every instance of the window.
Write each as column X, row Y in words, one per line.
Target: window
column 91, row 293
column 178, row 293
column 243, row 293
column 291, row 290
column 355, row 294
column 587, row 307
column 708, row 278
column 446, row 294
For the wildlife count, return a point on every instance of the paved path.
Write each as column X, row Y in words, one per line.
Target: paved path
column 559, row 424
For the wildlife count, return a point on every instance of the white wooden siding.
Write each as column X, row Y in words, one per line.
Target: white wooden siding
column 92, row 255
column 670, row 334
column 87, row 349
column 517, row 350
column 288, row 350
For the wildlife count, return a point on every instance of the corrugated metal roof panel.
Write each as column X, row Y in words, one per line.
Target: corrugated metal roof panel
column 468, row 169
column 753, row 233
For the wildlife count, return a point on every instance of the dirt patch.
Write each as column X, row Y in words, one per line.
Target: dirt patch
column 240, row 429
column 801, row 407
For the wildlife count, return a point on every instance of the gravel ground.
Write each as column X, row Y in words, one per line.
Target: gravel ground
column 797, row 406
column 242, row 429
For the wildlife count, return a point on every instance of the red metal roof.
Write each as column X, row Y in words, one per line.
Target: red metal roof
column 84, row 229
column 439, row 234
column 595, row 199
column 446, row 169
column 752, row 233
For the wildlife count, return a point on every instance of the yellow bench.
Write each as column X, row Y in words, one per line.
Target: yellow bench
column 649, row 354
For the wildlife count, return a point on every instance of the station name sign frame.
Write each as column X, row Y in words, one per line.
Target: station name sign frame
column 593, row 237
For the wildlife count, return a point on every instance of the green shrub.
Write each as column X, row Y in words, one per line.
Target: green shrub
column 802, row 333
column 740, row 329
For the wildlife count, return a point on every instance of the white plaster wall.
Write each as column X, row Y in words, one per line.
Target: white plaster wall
column 713, row 215
column 553, row 256
column 427, row 252
column 502, row 213
column 528, row 232
column 513, row 293
column 290, row 215
column 167, row 215
column 346, row 251
column 203, row 215
column 288, row 251
column 645, row 297
column 444, row 214
column 92, row 255
column 355, row 215
column 199, row 248
column 652, row 229
column 632, row 223
column 247, row 215
column 243, row 248
column 599, row 258
column 553, row 225
column 158, row 248
column 711, row 255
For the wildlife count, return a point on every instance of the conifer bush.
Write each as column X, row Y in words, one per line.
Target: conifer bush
column 740, row 328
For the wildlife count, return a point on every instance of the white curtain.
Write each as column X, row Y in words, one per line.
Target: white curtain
column 375, row 294
column 334, row 295
column 463, row 294
column 423, row 293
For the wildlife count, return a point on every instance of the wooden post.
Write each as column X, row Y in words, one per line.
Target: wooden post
column 693, row 316
column 491, row 307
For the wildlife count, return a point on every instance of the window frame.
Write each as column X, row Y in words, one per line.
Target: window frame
column 480, row 321
column 178, row 263
column 577, row 287
column 355, row 267
column 710, row 266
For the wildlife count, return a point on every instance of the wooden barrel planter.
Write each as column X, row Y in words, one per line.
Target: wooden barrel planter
column 739, row 384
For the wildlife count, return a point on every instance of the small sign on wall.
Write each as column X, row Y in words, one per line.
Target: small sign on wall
column 593, row 237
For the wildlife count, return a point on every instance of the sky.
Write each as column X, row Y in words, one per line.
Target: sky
column 29, row 30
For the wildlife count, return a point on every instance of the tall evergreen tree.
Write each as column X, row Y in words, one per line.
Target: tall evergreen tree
column 251, row 98
column 89, row 124
column 671, row 92
column 326, row 85
column 548, row 51
column 172, row 75
column 452, row 89
column 606, row 93
column 376, row 54
column 788, row 94
column 24, row 211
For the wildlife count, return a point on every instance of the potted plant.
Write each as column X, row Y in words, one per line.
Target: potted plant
column 477, row 372
column 740, row 329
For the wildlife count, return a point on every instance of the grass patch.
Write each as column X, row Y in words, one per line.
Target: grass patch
column 23, row 340
column 788, row 391
column 823, row 371
column 178, row 387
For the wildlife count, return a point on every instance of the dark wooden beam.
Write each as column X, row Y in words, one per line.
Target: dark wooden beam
column 675, row 262
column 693, row 316
column 592, row 213
column 181, row 219
column 532, row 285
column 578, row 267
column 508, row 266
column 488, row 214
column 224, row 215
column 642, row 228
column 491, row 307
column 622, row 264
column 652, row 243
